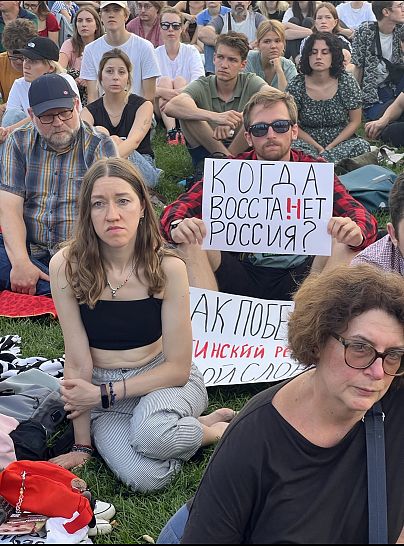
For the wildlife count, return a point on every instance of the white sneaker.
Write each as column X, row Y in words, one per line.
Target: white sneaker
column 102, row 527
column 104, row 510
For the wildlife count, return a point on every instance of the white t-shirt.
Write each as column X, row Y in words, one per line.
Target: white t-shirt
column 287, row 15
column 353, row 18
column 18, row 97
column 140, row 52
column 187, row 64
column 386, row 41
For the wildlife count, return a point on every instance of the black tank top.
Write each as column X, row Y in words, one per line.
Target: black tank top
column 101, row 117
column 121, row 325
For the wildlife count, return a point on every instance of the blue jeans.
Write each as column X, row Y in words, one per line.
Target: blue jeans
column 145, row 163
column 42, row 287
column 173, row 530
column 386, row 99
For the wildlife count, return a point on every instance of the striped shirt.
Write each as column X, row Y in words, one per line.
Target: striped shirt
column 49, row 181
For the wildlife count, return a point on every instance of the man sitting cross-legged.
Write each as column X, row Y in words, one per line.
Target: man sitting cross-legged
column 263, row 275
column 210, row 108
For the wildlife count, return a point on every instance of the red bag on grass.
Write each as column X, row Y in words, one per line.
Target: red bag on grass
column 47, row 490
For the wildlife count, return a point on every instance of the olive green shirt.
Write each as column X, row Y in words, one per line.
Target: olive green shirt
column 204, row 92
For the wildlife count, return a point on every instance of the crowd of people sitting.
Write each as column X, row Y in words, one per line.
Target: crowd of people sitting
column 83, row 86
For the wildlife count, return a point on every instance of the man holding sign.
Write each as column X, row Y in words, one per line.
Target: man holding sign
column 270, row 121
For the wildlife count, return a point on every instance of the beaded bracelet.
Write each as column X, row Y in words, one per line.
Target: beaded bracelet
column 83, row 449
column 112, row 394
column 105, row 403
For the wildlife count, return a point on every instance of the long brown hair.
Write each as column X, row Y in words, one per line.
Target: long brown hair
column 85, row 269
column 77, row 40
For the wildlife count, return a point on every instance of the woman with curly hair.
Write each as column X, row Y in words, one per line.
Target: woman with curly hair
column 291, row 468
column 123, row 304
column 329, row 102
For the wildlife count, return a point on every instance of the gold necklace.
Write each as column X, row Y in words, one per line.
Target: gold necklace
column 115, row 290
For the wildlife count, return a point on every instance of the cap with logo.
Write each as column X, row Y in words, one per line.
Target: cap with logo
column 50, row 91
column 105, row 4
column 40, row 48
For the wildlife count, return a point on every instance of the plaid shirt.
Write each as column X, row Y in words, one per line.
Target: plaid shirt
column 48, row 181
column 382, row 254
column 189, row 205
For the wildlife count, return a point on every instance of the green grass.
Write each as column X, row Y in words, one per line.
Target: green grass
column 137, row 514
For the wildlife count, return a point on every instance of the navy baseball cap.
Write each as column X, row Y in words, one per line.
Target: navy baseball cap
column 40, row 48
column 50, row 91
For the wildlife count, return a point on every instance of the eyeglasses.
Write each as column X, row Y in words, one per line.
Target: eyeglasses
column 166, row 26
column 16, row 58
column 360, row 355
column 398, row 6
column 47, row 119
column 279, row 126
column 29, row 6
column 146, row 7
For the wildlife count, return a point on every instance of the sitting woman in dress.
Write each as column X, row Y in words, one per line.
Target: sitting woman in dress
column 329, row 102
column 124, row 116
column 123, row 304
column 268, row 62
column 180, row 64
column 87, row 27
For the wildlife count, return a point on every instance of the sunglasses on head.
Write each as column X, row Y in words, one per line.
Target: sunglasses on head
column 166, row 26
column 279, row 126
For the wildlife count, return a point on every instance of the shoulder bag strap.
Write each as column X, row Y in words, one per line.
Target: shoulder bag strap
column 229, row 21
column 376, row 465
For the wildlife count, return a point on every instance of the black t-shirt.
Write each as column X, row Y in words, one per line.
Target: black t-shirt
column 101, row 117
column 266, row 483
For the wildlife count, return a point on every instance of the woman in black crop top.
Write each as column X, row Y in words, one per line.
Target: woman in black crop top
column 123, row 305
column 124, row 116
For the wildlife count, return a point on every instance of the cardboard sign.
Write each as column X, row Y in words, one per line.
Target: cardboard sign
column 240, row 340
column 268, row 207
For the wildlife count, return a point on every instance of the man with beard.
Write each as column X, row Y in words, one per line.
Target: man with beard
column 41, row 172
column 270, row 123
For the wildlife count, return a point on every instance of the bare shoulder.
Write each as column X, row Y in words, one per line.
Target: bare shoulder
column 172, row 265
column 57, row 270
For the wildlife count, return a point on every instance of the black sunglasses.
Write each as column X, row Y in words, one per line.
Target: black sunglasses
column 261, row 129
column 166, row 26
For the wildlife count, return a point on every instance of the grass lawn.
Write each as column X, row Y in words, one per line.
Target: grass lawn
column 137, row 514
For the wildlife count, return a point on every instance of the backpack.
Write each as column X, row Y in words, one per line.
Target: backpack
column 43, row 431
column 66, row 28
column 370, row 185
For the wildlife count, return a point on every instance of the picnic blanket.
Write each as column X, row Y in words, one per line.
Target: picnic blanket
column 12, row 364
column 15, row 305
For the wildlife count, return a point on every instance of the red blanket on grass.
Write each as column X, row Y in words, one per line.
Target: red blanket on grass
column 15, row 305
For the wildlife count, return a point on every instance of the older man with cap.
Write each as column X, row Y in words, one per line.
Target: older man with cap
column 40, row 176
column 140, row 51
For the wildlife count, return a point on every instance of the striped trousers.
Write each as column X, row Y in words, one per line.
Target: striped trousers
column 145, row 439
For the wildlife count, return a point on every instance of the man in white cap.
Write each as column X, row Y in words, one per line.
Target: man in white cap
column 140, row 51
column 40, row 176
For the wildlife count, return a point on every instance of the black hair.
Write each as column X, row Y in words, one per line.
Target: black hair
column 334, row 44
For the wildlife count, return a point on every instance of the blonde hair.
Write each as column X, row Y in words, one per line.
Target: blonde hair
column 268, row 97
column 280, row 6
column 271, row 26
column 57, row 67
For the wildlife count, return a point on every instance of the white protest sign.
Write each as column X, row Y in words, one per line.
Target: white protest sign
column 268, row 207
column 240, row 340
